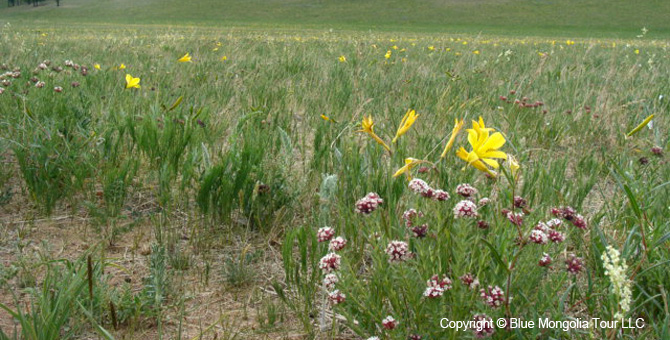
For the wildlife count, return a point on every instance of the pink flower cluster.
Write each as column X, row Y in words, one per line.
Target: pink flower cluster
column 337, row 244
column 330, row 263
column 466, row 190
column 545, row 260
column 465, row 209
column 436, row 286
column 420, row 187
column 569, row 214
column 398, row 251
column 389, row 323
column 369, row 203
column 492, row 296
column 574, row 264
column 484, row 326
column 469, row 281
column 336, row 297
column 418, row 231
column 325, row 234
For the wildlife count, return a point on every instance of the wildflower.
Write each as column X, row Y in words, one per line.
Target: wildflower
column 469, row 281
column 389, row 323
column 388, row 54
column 466, row 190
column 132, row 82
column 556, row 236
column 414, row 337
column 465, row 209
column 2, row 90
column 545, row 260
column 454, row 132
column 406, row 122
column 337, row 244
column 574, row 264
column 420, row 231
column 436, row 286
column 657, row 151
column 69, row 63
column 330, row 280
column 539, row 237
column 122, row 66
column 96, row 66
column 368, row 127
column 224, row 58
column 6, row 82
column 336, row 297
column 419, row 186
column 40, row 84
column 42, row 66
column 484, row 201
column 58, row 89
column 409, row 216
column 368, row 204
column 476, row 52
column 484, row 326
column 484, row 148
column 398, row 251
column 492, row 296
column 440, row 195
column 554, row 223
column 520, row 202
column 342, row 59
column 330, row 262
column 431, row 48
column 325, row 234
column 615, row 269
column 640, row 126
column 409, row 164
column 75, row 84
column 185, row 59
column 482, row 224
column 515, row 217
column 579, row 221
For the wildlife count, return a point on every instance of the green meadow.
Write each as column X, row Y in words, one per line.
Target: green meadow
column 334, row 170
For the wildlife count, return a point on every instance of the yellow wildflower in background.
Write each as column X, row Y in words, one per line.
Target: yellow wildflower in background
column 132, row 82
column 224, row 58
column 122, row 66
column 454, row 132
column 409, row 164
column 185, row 59
column 96, row 66
column 388, row 54
column 342, row 59
column 406, row 122
column 368, row 127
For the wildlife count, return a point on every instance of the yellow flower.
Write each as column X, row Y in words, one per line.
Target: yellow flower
column 513, row 165
column 342, row 59
column 368, row 127
column 475, row 51
column 484, row 147
column 409, row 164
column 122, row 66
column 215, row 49
column 388, row 54
column 96, row 66
column 637, row 51
column 132, row 82
column 185, row 59
column 405, row 124
column 431, row 48
column 224, row 58
column 395, row 47
column 457, row 128
column 639, row 127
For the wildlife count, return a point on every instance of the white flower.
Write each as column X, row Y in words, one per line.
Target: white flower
column 615, row 268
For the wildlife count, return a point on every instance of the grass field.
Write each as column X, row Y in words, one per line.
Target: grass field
column 146, row 193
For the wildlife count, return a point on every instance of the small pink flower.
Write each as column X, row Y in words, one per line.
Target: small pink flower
column 466, row 190
column 368, row 204
column 329, row 263
column 336, row 297
column 440, row 195
column 579, row 221
column 418, row 186
column 515, row 217
column 520, row 202
column 556, row 236
column 337, row 244
column 539, row 237
column 409, row 216
column 58, row 89
column 554, row 223
column 483, row 326
column 40, row 84
column 420, row 231
column 493, row 296
column 574, row 264
column 545, row 260
column 657, row 150
column 330, row 280
column 398, row 251
column 484, row 202
column 465, row 209
column 325, row 234
column 389, row 323
column 469, row 281
column 482, row 224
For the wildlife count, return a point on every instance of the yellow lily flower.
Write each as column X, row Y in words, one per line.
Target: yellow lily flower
column 342, row 59
column 513, row 165
column 639, row 127
column 405, row 124
column 224, row 58
column 368, row 127
column 409, row 164
column 185, row 59
column 484, row 147
column 122, row 66
column 96, row 66
column 457, row 129
column 388, row 54
column 132, row 82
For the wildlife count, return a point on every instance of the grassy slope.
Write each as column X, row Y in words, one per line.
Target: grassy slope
column 615, row 18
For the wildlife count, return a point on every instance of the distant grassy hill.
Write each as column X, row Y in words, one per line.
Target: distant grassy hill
column 615, row 18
